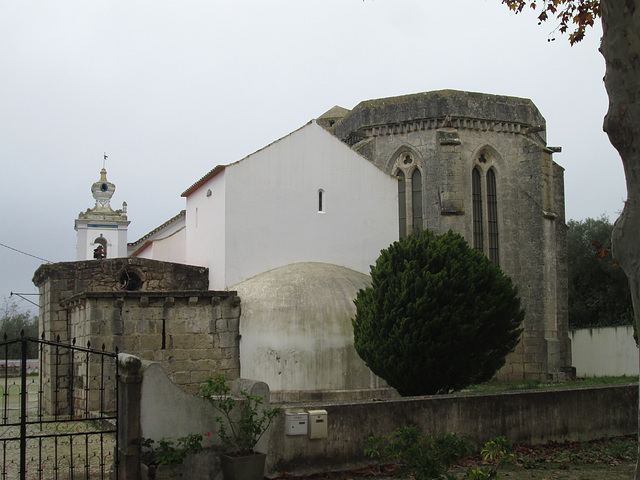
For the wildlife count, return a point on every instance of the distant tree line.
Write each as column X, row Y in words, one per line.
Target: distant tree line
column 599, row 294
column 14, row 321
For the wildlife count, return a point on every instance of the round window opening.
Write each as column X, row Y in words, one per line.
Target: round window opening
column 130, row 281
column 104, row 187
column 407, row 160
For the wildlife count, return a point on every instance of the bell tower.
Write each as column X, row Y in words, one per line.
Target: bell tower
column 102, row 231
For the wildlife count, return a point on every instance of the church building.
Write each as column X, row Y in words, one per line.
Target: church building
column 294, row 227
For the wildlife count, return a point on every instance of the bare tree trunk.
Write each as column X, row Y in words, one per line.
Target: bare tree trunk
column 621, row 50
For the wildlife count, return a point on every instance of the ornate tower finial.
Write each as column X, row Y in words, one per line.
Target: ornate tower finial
column 102, row 191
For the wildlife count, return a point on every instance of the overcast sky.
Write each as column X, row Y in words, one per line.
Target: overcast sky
column 171, row 89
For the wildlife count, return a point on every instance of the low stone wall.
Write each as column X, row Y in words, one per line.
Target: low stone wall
column 152, row 406
column 534, row 416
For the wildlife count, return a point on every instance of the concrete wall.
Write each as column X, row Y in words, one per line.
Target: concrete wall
column 535, row 416
column 604, row 351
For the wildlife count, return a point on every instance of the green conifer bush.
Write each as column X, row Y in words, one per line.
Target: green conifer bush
column 438, row 316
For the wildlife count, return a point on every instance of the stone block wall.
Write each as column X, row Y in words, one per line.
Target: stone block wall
column 193, row 334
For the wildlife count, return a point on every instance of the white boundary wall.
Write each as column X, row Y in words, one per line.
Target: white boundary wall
column 604, row 351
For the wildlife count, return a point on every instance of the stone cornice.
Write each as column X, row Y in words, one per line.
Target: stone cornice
column 456, row 122
column 211, row 295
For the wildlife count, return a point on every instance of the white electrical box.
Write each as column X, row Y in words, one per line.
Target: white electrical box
column 317, row 423
column 296, row 423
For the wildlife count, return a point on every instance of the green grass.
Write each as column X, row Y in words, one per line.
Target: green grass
column 532, row 384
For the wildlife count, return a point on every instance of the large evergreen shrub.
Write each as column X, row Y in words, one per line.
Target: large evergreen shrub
column 438, row 316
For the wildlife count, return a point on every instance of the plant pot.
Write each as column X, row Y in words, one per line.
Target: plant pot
column 250, row 467
column 160, row 472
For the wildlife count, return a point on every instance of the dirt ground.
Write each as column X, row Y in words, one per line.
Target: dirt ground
column 612, row 459
column 622, row 471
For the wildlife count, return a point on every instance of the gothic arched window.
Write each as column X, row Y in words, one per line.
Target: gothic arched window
column 409, row 177
column 402, row 203
column 416, row 200
column 484, row 193
column 476, row 194
column 492, row 217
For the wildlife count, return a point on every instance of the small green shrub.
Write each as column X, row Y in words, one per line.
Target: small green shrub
column 168, row 453
column 480, row 473
column 497, row 451
column 423, row 457
column 429, row 457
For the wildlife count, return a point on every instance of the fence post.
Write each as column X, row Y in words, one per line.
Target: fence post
column 23, row 406
column 129, row 391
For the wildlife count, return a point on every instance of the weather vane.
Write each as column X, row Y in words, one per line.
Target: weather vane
column 104, row 161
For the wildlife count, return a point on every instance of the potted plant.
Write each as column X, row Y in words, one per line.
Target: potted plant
column 240, row 426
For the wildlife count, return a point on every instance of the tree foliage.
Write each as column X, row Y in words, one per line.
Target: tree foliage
column 571, row 14
column 437, row 317
column 599, row 292
column 13, row 322
column 620, row 48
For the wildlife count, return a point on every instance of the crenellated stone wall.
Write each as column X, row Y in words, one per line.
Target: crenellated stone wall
column 158, row 311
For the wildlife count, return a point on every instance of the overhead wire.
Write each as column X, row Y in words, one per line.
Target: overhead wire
column 25, row 253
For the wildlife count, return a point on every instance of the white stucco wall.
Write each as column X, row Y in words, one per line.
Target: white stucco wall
column 272, row 216
column 168, row 249
column 205, row 236
column 172, row 248
column 604, row 351
column 147, row 253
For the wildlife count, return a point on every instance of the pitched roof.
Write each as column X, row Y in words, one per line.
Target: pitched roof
column 157, row 229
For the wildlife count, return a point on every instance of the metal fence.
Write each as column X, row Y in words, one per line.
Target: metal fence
column 59, row 420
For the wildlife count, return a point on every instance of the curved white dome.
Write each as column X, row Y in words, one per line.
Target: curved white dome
column 296, row 332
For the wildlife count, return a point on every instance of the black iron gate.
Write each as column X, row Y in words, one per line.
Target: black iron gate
column 58, row 413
